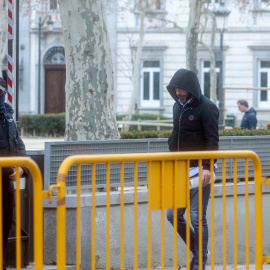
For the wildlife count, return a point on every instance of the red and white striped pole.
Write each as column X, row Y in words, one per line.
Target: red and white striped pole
column 10, row 52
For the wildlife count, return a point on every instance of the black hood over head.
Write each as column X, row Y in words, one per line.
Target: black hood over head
column 186, row 80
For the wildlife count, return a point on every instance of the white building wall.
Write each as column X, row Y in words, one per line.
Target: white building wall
column 239, row 70
column 167, row 41
column 24, row 64
column 34, row 73
column 245, row 29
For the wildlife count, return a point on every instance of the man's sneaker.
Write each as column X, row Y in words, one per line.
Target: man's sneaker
column 192, row 267
column 196, row 267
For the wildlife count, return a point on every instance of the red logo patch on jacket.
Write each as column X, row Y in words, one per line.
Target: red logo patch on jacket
column 191, row 117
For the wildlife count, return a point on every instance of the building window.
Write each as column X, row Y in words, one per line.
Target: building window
column 150, row 84
column 264, row 81
column 159, row 4
column 264, row 4
column 152, row 5
column 53, row 4
column 261, row 5
column 206, row 78
column 212, row 1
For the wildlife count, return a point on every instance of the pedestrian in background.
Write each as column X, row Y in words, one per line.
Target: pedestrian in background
column 11, row 144
column 195, row 128
column 249, row 120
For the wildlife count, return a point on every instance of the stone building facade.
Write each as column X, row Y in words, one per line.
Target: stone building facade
column 246, row 63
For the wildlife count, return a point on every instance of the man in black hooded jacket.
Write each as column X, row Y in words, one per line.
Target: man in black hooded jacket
column 10, row 145
column 195, row 128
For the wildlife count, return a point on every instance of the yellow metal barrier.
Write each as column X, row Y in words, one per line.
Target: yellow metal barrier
column 168, row 187
column 37, row 209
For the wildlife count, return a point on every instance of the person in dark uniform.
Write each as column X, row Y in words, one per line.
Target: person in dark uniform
column 11, row 144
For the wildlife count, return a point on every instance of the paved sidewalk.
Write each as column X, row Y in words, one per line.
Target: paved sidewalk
column 38, row 143
column 208, row 267
column 45, row 267
column 220, row 267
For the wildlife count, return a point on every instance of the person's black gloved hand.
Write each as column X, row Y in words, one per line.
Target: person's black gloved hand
column 6, row 171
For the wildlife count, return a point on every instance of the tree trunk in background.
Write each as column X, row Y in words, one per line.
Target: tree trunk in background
column 89, row 72
column 213, row 74
column 137, row 64
column 211, row 49
column 192, row 35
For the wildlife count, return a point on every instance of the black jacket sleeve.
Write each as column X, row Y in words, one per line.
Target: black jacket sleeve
column 173, row 139
column 22, row 151
column 210, row 130
column 173, row 142
column 6, row 171
column 21, row 146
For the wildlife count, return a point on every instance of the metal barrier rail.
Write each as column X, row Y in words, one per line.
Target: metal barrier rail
column 165, row 191
column 155, row 123
column 37, row 209
column 56, row 152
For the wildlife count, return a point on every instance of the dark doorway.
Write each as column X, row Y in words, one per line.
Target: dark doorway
column 55, row 79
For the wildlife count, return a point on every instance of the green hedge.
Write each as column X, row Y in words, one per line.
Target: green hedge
column 145, row 134
column 54, row 125
column 167, row 133
column 42, row 125
column 244, row 132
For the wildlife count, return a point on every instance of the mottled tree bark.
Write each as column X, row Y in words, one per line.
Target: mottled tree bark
column 89, row 72
column 192, row 35
column 211, row 49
